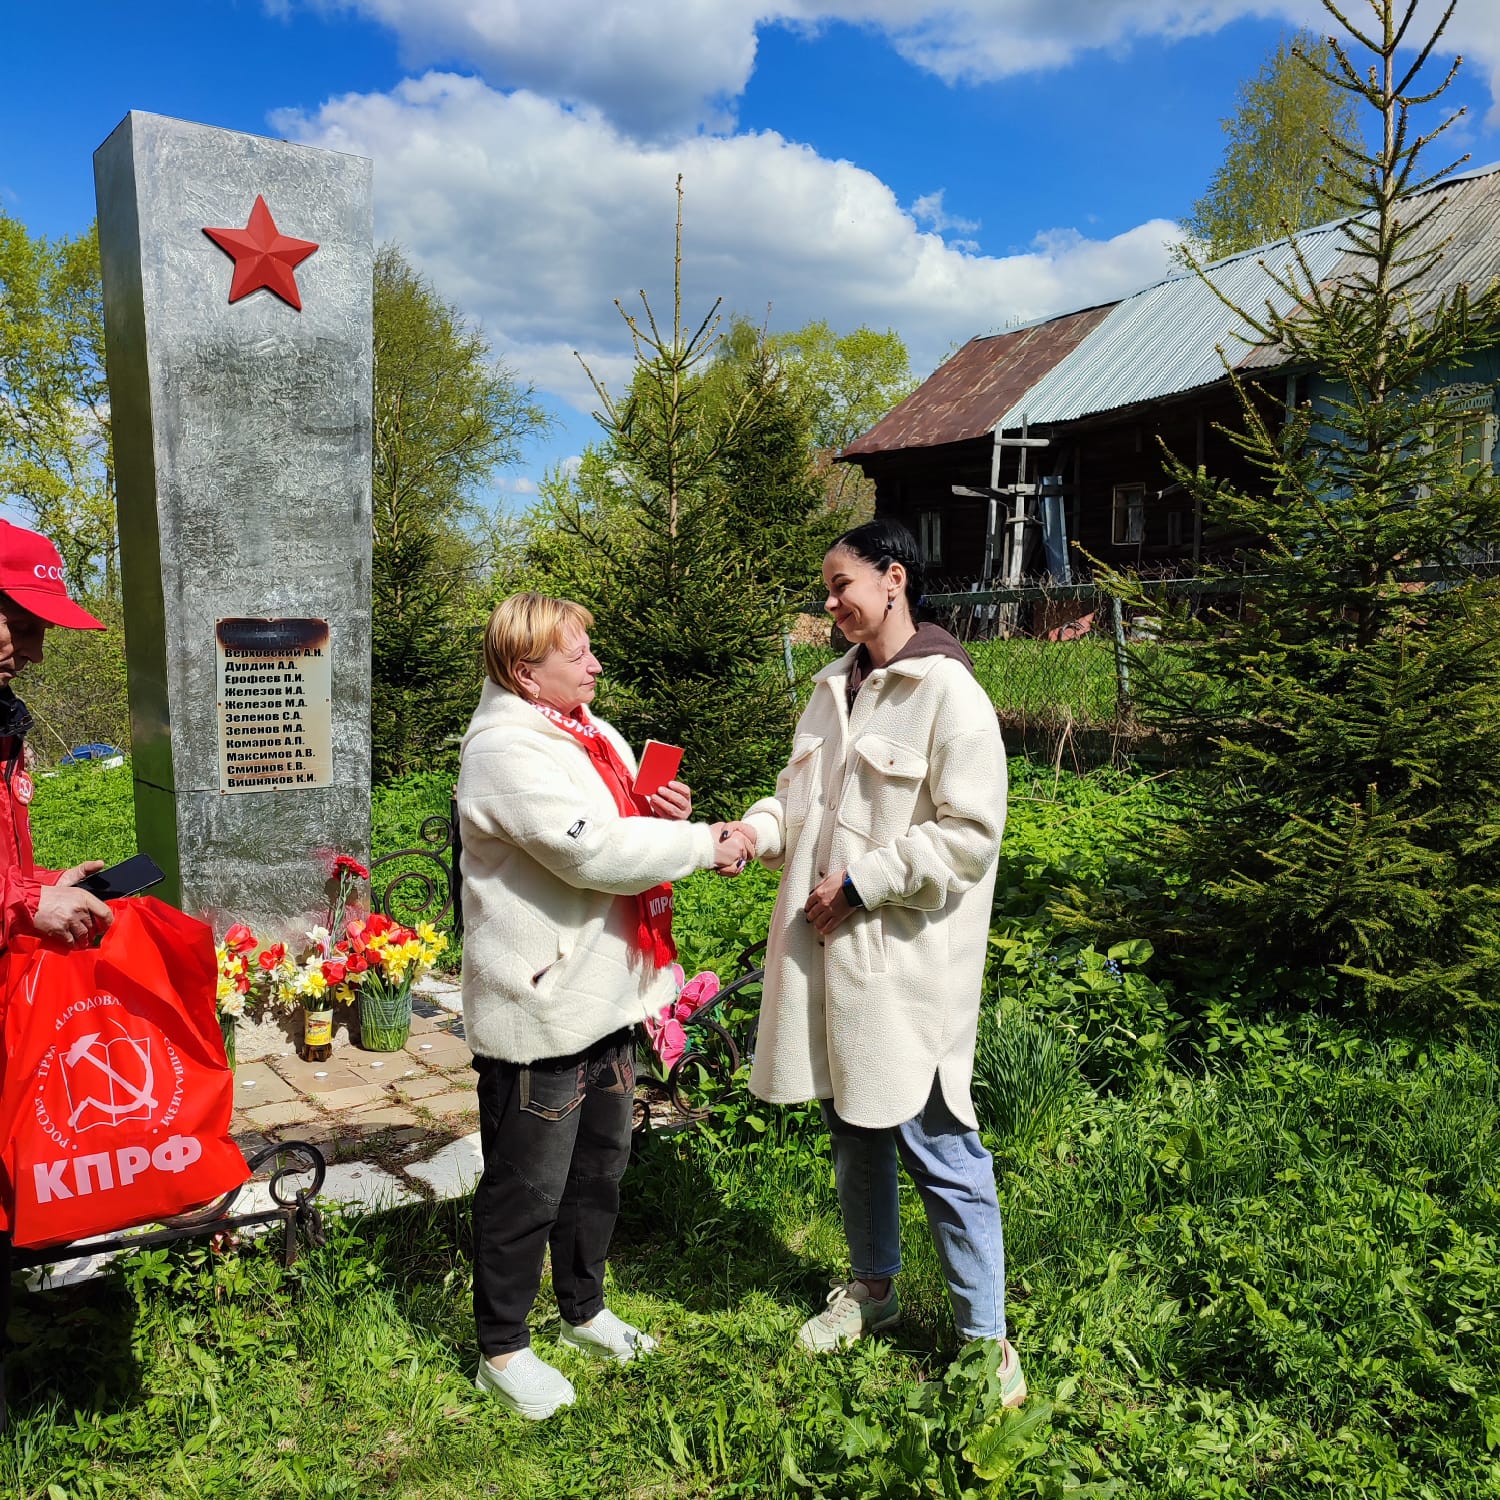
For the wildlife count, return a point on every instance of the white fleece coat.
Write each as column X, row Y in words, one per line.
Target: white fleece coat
column 550, row 875
column 907, row 793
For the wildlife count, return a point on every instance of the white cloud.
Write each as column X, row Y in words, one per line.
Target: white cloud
column 659, row 66
column 534, row 217
column 929, row 210
column 516, row 484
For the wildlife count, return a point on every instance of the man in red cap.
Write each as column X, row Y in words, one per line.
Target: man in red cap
column 33, row 598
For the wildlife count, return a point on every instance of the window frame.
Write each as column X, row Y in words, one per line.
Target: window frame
column 1127, row 524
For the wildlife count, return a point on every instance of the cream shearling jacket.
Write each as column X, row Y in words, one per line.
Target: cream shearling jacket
column 550, row 873
column 908, row 794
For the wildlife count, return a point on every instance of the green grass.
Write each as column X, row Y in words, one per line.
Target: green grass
column 1249, row 1258
column 1031, row 683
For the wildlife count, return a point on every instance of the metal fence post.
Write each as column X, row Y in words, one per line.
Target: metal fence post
column 1122, row 663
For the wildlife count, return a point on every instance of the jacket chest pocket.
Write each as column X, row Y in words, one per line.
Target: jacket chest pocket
column 889, row 778
column 800, row 779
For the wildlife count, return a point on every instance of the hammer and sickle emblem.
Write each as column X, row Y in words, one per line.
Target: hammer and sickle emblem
column 126, row 1097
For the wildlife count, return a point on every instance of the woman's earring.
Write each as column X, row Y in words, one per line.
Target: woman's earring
column 890, row 604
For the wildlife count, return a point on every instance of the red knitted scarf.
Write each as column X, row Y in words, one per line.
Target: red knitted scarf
column 653, row 907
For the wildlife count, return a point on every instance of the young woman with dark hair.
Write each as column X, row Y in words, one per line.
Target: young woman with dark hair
column 886, row 824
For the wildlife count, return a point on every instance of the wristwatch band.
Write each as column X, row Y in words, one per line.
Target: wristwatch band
column 851, row 895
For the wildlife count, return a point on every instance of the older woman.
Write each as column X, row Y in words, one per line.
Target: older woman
column 887, row 823
column 567, row 943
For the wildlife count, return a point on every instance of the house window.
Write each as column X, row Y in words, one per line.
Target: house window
column 1129, row 528
column 930, row 535
column 1465, row 437
column 1174, row 528
column 1473, row 436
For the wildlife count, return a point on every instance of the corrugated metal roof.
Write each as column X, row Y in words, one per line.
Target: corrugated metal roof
column 963, row 398
column 1467, row 215
column 1166, row 339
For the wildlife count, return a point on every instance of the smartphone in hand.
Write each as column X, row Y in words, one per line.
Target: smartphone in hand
column 131, row 876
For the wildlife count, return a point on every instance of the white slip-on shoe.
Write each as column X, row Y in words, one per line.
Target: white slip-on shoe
column 528, row 1385
column 609, row 1336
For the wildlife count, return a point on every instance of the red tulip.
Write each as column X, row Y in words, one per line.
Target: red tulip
column 239, row 938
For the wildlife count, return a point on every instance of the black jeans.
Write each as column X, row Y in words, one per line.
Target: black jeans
column 556, row 1141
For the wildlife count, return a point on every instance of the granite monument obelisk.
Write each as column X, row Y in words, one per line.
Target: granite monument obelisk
column 237, row 301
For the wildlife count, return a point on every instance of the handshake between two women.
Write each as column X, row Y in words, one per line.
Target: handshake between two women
column 734, row 843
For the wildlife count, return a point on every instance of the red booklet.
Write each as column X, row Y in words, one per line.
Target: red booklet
column 659, row 763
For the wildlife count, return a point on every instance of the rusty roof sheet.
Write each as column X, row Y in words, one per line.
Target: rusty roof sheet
column 963, row 398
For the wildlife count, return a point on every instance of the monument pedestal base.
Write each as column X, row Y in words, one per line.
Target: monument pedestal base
column 280, row 1035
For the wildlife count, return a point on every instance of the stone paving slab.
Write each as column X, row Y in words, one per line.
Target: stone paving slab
column 364, row 1185
column 445, row 1106
column 454, row 1170
column 377, row 1067
column 352, row 1098
column 439, row 1049
column 295, row 1111
column 311, row 1079
column 257, row 1083
column 422, row 1084
column 382, row 1117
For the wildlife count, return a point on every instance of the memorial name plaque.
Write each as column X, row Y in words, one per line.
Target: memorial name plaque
column 275, row 718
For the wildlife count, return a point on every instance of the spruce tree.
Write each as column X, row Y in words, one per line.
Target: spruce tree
column 691, row 538
column 1342, row 732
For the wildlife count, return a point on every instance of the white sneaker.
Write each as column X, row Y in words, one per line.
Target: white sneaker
column 610, row 1336
column 851, row 1313
column 528, row 1386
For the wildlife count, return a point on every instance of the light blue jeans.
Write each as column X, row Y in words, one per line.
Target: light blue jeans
column 955, row 1176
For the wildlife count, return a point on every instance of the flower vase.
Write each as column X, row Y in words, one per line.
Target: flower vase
column 226, row 1026
column 384, row 1016
column 317, row 1034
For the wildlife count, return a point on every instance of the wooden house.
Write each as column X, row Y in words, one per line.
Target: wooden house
column 1032, row 452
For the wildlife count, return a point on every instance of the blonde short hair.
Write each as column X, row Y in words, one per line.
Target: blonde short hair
column 523, row 629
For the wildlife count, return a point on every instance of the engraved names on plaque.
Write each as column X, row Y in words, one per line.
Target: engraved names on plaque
column 275, row 722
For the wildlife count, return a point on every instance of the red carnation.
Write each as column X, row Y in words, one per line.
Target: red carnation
column 346, row 864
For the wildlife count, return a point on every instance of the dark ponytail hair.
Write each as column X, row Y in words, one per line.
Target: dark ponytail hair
column 882, row 542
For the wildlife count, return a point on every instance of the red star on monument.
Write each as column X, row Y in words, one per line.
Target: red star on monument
column 263, row 257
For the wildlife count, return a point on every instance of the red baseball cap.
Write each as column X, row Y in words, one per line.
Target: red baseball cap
column 31, row 572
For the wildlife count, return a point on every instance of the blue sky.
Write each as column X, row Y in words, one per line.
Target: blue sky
column 943, row 170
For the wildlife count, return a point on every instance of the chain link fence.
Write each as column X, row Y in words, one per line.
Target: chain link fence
column 1056, row 659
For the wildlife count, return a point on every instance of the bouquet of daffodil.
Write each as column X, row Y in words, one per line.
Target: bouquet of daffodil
column 371, row 959
column 237, row 976
column 384, row 959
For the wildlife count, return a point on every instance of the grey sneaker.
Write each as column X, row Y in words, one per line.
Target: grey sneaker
column 610, row 1336
column 528, row 1386
column 851, row 1314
